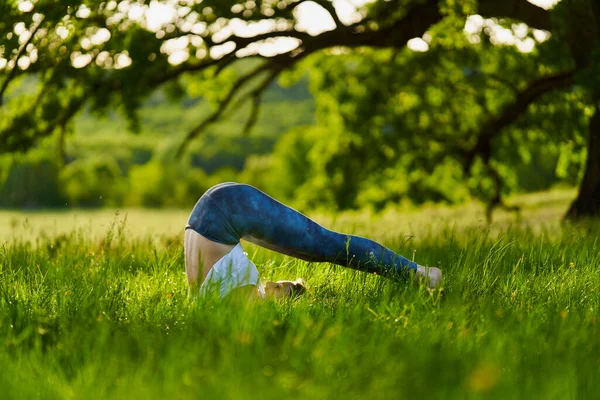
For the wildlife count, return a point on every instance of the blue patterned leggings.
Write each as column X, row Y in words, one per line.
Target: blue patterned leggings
column 231, row 211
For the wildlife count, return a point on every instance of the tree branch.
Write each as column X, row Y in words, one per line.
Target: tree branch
column 497, row 201
column 61, row 143
column 228, row 59
column 510, row 113
column 422, row 16
column 274, row 65
column 256, row 95
column 179, row 70
column 415, row 23
column 392, row 32
column 10, row 143
column 503, row 81
column 532, row 15
column 241, row 41
column 12, row 72
column 417, row 20
column 213, row 117
column 328, row 6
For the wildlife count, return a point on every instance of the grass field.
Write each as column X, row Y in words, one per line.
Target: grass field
column 96, row 306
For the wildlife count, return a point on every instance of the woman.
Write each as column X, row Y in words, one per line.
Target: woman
column 231, row 211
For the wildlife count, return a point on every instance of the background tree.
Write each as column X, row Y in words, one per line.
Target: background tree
column 468, row 104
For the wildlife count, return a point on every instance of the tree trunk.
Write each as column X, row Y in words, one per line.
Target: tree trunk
column 582, row 31
column 587, row 203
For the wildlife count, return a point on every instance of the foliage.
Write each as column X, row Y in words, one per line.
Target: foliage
column 467, row 112
column 31, row 182
column 431, row 117
column 155, row 184
column 93, row 182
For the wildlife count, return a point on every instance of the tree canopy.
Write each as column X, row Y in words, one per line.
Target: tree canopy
column 496, row 79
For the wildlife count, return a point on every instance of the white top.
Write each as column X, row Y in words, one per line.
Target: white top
column 233, row 270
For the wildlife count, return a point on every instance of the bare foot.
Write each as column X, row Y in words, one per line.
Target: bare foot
column 432, row 276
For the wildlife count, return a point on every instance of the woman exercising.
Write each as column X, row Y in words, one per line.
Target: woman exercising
column 231, row 211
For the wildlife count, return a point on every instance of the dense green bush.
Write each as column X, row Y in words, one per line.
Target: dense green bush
column 297, row 173
column 31, row 181
column 310, row 167
column 258, row 172
column 316, row 168
column 93, row 182
column 157, row 184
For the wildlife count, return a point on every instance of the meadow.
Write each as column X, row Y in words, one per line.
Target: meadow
column 94, row 304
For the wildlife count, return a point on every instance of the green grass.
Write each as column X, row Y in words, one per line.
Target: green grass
column 107, row 315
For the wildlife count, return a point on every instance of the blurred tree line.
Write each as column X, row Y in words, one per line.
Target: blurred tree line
column 103, row 165
column 288, row 157
column 488, row 98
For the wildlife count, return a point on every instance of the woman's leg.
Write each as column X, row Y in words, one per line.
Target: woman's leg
column 259, row 218
column 200, row 256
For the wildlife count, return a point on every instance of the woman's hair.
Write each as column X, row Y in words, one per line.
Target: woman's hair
column 298, row 287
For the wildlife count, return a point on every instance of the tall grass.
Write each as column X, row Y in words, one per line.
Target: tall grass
column 111, row 318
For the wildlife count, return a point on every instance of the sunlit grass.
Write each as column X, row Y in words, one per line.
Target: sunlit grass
column 107, row 315
column 538, row 209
